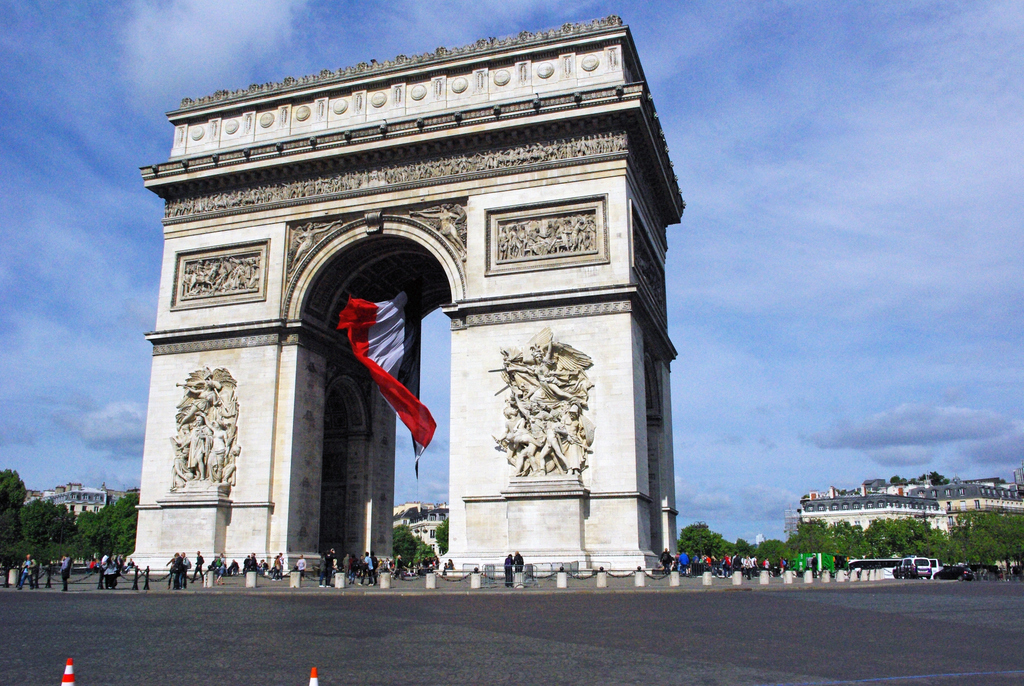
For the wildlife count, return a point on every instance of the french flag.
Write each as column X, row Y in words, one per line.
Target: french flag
column 388, row 347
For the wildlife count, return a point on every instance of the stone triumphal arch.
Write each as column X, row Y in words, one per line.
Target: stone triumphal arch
column 521, row 185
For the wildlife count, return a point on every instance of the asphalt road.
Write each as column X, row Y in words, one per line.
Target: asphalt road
column 940, row 633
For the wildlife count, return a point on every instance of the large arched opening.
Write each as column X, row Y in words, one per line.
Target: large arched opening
column 357, row 487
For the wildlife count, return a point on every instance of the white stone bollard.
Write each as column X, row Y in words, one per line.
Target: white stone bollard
column 12, row 576
column 208, row 579
column 250, row 579
column 706, row 579
column 826, row 577
column 384, row 580
column 295, row 580
column 808, row 577
column 431, row 581
column 639, row 578
column 787, row 576
column 673, row 578
column 602, row 579
column 518, row 579
column 865, row 575
column 737, row 578
column 474, row 580
column 562, row 581
column 765, row 578
column 840, row 576
column 340, row 580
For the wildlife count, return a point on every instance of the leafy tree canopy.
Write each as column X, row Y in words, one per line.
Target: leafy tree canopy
column 12, row 491
column 442, row 537
column 698, row 539
column 404, row 543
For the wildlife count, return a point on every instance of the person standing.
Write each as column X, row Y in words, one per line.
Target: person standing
column 65, row 571
column 26, row 567
column 517, row 560
column 509, row 563
column 666, row 561
column 368, row 565
column 301, row 567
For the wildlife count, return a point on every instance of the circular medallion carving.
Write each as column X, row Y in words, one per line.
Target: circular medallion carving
column 460, row 85
column 266, row 120
column 502, row 77
column 545, row 70
column 230, row 126
column 590, row 63
column 302, row 113
column 378, row 99
column 197, row 132
column 418, row 92
column 340, row 106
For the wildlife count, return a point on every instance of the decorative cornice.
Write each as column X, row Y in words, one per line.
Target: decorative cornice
column 541, row 313
column 215, row 344
column 331, row 78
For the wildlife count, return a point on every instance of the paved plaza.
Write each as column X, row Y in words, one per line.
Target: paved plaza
column 940, row 633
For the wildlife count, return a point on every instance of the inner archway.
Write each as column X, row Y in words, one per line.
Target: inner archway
column 357, row 485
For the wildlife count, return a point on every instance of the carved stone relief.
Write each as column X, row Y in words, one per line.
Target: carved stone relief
column 648, row 270
column 303, row 237
column 515, row 157
column 547, row 236
column 546, row 430
column 449, row 220
column 206, row 447
column 225, row 275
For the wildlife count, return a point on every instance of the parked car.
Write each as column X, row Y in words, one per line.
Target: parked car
column 955, row 572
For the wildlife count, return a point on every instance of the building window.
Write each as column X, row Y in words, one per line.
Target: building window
column 950, row 520
column 963, row 505
column 433, row 534
column 977, row 505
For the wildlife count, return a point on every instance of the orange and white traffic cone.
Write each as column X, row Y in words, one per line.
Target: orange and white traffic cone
column 69, row 673
column 313, row 681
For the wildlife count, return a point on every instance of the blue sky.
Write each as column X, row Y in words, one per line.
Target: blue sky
column 846, row 289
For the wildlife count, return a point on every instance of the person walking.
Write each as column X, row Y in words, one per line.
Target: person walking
column 509, row 564
column 199, row 566
column 666, row 561
column 26, row 573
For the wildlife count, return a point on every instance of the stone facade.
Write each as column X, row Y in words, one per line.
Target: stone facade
column 525, row 184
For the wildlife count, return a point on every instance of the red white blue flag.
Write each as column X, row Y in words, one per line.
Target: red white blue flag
column 387, row 345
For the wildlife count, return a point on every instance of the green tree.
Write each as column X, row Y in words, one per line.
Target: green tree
column 112, row 529
column 698, row 539
column 772, row 550
column 12, row 491
column 812, row 536
column 404, row 543
column 424, row 551
column 742, row 548
column 442, row 537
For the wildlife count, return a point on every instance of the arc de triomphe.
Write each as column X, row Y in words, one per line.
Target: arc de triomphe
column 524, row 184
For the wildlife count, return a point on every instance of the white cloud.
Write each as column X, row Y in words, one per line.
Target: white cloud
column 118, row 429
column 914, row 425
column 190, row 47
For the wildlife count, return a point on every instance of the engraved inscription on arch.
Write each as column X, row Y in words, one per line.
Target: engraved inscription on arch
column 220, row 276
column 547, row 236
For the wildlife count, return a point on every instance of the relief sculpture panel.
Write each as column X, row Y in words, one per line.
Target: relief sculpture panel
column 227, row 275
column 546, row 429
column 206, row 447
column 545, row 237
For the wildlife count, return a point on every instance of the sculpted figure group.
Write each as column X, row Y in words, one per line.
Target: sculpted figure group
column 546, row 431
column 565, row 235
column 225, row 275
column 206, row 446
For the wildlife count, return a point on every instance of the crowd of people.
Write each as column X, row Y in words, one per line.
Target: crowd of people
column 723, row 566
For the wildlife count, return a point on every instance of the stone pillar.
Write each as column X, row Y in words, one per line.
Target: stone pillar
column 737, row 578
column 431, row 581
column 384, row 579
column 826, row 577
column 295, row 580
column 808, row 577
column 602, row 579
column 673, row 578
column 208, row 579
column 250, row 579
column 706, row 579
column 840, row 576
column 474, row 580
column 865, row 575
column 787, row 577
column 765, row 578
column 639, row 578
column 562, row 581
column 340, row 580
column 12, row 576
column 518, row 579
